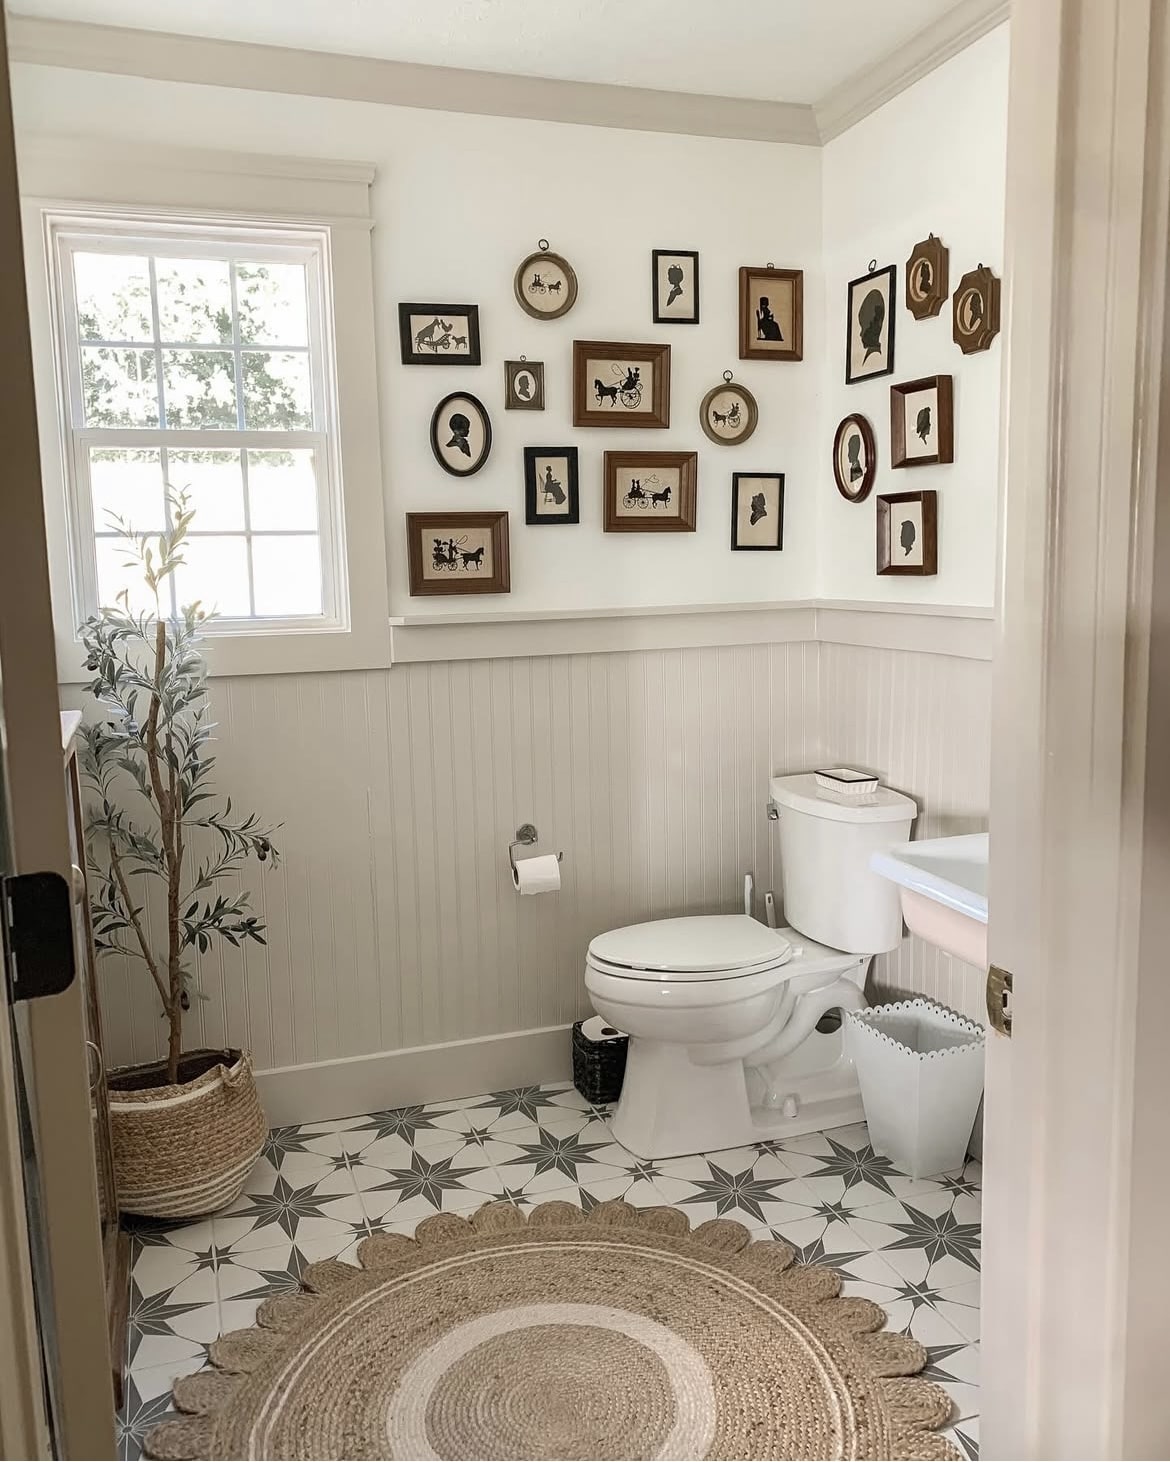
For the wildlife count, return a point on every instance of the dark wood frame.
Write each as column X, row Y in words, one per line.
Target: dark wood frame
column 512, row 369
column 753, row 413
column 531, row 488
column 688, row 465
column 659, row 413
column 891, row 319
column 937, row 255
column 869, row 442
column 570, row 276
column 499, row 582
column 411, row 357
column 885, row 563
column 985, row 283
column 487, row 435
column 659, row 317
column 755, row 547
column 749, row 347
column 945, row 425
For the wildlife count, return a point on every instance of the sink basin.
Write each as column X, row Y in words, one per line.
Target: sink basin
column 943, row 887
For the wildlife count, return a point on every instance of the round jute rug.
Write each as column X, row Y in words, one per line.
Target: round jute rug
column 618, row 1333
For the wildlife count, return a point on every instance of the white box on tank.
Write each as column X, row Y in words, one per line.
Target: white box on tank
column 830, row 893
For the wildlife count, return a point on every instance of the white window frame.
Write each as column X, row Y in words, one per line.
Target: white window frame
column 97, row 231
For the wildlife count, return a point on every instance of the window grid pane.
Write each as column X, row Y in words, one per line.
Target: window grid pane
column 242, row 368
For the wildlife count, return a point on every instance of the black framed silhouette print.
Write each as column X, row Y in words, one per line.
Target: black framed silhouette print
column 675, row 285
column 550, row 486
column 869, row 340
column 757, row 511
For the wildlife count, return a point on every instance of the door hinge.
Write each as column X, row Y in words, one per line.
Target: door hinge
column 999, row 1000
column 37, row 912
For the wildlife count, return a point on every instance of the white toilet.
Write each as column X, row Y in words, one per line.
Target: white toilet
column 723, row 1012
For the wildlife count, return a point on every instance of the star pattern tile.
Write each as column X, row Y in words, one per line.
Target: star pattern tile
column 406, row 1162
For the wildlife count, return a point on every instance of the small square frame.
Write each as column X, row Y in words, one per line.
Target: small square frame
column 515, row 368
column 945, row 426
column 886, row 563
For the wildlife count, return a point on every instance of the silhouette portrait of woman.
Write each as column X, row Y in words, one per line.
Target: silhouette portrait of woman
column 767, row 325
column 853, row 447
column 922, row 425
column 675, row 277
column 871, row 319
column 907, row 536
column 759, row 508
column 923, row 275
column 460, row 426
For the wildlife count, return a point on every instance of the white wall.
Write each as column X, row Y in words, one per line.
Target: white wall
column 458, row 203
column 930, row 161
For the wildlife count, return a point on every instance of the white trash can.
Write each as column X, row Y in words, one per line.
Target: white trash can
column 921, row 1072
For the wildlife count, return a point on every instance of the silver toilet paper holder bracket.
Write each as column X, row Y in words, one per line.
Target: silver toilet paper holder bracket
column 526, row 835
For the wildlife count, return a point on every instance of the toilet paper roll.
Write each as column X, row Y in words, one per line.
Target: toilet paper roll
column 538, row 875
column 597, row 1028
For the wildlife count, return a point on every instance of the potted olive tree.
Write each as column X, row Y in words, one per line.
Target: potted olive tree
column 186, row 1129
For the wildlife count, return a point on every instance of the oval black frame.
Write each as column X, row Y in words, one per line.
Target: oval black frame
column 487, row 434
column 870, row 443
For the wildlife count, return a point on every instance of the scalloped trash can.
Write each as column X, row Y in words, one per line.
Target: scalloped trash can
column 920, row 1067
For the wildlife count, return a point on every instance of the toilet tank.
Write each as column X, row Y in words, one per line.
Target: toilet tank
column 830, row 893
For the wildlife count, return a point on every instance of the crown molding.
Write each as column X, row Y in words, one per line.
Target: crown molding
column 163, row 56
column 867, row 90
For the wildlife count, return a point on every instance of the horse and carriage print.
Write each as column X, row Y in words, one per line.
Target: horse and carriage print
column 545, row 284
column 458, row 553
column 439, row 334
column 650, row 492
column 620, row 384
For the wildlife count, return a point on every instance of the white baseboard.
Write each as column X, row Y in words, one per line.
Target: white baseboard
column 324, row 1090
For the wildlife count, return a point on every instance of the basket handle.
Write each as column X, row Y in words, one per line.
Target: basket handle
column 245, row 1069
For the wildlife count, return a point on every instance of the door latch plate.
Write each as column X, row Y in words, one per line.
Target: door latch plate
column 999, row 998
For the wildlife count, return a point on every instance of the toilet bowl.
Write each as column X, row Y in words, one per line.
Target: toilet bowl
column 731, row 1033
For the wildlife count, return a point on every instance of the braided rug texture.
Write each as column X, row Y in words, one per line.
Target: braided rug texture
column 621, row 1333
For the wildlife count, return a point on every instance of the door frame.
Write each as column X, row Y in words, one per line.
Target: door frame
column 1073, row 1328
column 82, row 1389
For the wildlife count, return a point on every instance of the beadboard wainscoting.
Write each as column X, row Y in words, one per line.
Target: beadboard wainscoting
column 393, row 923
column 924, row 723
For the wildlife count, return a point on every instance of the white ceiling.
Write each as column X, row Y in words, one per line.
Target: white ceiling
column 778, row 50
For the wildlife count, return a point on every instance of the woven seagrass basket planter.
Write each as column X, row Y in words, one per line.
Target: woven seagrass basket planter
column 185, row 1150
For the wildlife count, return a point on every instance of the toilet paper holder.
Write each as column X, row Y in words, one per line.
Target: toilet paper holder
column 526, row 835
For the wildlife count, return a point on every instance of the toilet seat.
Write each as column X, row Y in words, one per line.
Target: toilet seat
column 698, row 947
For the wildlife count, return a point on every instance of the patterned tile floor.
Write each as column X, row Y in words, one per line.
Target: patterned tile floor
column 910, row 1244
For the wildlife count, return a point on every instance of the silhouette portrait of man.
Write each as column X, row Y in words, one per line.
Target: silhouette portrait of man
column 871, row 319
column 853, row 448
column 460, row 426
column 922, row 424
column 907, row 536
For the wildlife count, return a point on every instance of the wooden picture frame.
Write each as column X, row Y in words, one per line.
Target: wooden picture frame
column 728, row 412
column 975, row 311
column 907, row 533
column 757, row 512
column 935, row 430
column 634, row 486
column 609, row 385
column 927, row 278
column 771, row 300
column 439, row 334
column 683, row 308
column 461, row 434
column 854, row 458
column 442, row 549
column 545, row 284
column 551, row 486
column 870, row 319
column 523, row 385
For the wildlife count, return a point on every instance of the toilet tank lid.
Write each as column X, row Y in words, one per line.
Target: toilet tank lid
column 693, row 944
column 802, row 794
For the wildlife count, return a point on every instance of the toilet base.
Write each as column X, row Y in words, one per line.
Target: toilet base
column 674, row 1106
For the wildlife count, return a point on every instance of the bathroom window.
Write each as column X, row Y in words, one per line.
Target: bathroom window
column 197, row 359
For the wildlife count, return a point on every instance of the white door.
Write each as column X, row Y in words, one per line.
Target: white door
column 1074, row 1314
column 54, row 1164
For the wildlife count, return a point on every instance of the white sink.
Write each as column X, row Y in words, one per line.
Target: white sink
column 943, row 886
